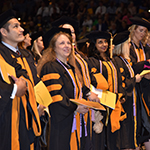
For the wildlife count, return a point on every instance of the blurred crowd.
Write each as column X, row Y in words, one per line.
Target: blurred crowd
column 104, row 15
column 41, row 42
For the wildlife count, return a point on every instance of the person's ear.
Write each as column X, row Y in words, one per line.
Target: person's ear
column 3, row 31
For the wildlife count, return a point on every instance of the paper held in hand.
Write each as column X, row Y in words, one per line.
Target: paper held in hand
column 6, row 71
column 89, row 104
column 42, row 94
column 144, row 72
column 107, row 98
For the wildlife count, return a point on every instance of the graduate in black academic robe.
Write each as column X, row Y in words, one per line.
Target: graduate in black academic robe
column 24, row 132
column 128, row 131
column 20, row 119
column 27, row 61
column 6, row 106
column 73, row 25
column 100, row 62
column 62, row 78
column 140, row 53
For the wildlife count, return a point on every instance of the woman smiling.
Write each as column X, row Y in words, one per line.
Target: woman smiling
column 58, row 71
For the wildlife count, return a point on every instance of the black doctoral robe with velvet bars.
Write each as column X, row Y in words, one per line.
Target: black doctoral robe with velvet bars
column 16, row 119
column 61, row 88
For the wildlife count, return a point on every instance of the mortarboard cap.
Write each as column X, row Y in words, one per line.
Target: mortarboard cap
column 25, row 31
column 82, row 42
column 36, row 35
column 121, row 37
column 140, row 21
column 50, row 33
column 93, row 36
column 6, row 16
column 66, row 20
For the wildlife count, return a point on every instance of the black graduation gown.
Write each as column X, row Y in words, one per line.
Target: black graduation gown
column 62, row 109
column 41, row 142
column 30, row 60
column 143, row 93
column 106, row 138
column 136, row 65
column 128, row 131
column 113, row 138
column 82, row 64
column 26, row 137
column 96, row 66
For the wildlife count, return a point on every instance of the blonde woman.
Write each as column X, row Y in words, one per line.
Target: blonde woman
column 138, row 34
column 121, row 52
column 37, row 46
column 140, row 53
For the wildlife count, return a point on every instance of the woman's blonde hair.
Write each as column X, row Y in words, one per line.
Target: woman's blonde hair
column 50, row 55
column 75, row 43
column 122, row 49
column 147, row 39
column 134, row 27
column 35, row 49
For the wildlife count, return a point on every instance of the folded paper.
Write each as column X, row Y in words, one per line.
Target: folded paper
column 6, row 71
column 42, row 94
column 144, row 72
column 107, row 98
column 89, row 104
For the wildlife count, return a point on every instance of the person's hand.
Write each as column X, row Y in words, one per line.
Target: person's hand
column 82, row 109
column 94, row 97
column 138, row 78
column 21, row 86
column 41, row 110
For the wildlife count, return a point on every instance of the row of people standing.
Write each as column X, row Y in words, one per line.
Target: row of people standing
column 57, row 67
column 68, row 121
column 20, row 116
column 68, row 75
column 122, row 77
column 129, row 61
column 122, row 74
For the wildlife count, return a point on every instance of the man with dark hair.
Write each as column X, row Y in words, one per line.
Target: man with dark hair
column 19, row 118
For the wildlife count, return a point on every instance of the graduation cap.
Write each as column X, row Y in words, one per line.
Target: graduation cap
column 33, row 36
column 25, row 31
column 66, row 20
column 121, row 37
column 94, row 35
column 6, row 16
column 140, row 21
column 36, row 35
column 50, row 33
column 82, row 42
